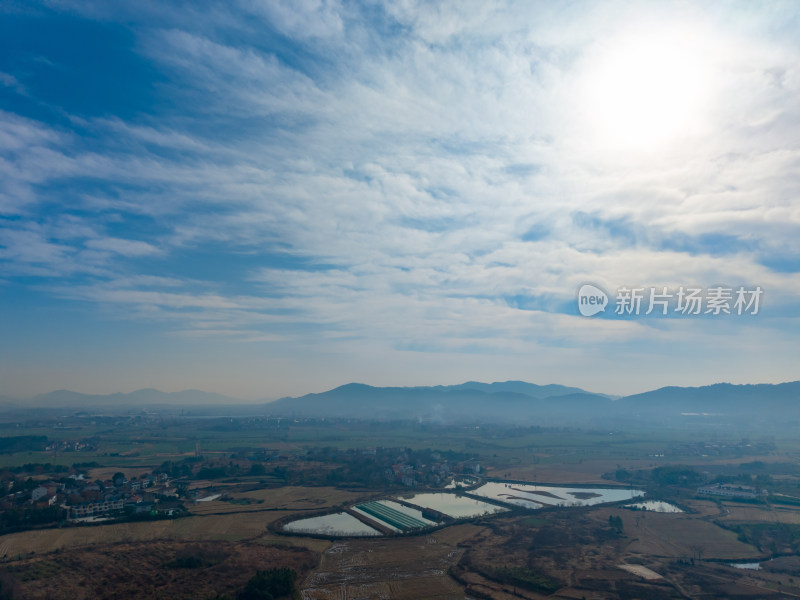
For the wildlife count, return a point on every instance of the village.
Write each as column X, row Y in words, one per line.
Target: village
column 27, row 502
column 36, row 495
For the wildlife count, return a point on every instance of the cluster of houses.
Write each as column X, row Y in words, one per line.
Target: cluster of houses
column 86, row 499
column 57, row 446
column 404, row 474
column 437, row 473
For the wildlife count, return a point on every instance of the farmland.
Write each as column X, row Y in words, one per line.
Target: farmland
column 146, row 570
column 236, row 478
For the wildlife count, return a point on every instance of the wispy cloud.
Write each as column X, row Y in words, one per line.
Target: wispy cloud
column 422, row 178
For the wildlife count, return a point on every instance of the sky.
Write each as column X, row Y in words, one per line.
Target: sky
column 269, row 198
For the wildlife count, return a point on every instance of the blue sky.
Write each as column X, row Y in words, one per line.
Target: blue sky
column 272, row 198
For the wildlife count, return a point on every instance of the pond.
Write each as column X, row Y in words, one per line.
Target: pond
column 751, row 566
column 655, row 506
column 334, row 524
column 455, row 506
column 397, row 517
column 536, row 496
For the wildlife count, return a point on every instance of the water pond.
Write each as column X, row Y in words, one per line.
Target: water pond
column 536, row 496
column 398, row 517
column 655, row 506
column 455, row 506
column 752, row 566
column 334, row 524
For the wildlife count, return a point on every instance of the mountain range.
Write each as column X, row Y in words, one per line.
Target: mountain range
column 143, row 397
column 516, row 402
column 526, row 403
column 467, row 402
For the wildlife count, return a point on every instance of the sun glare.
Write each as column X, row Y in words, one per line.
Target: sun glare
column 646, row 89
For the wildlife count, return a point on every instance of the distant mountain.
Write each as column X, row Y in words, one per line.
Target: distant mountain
column 471, row 402
column 517, row 387
column 720, row 398
column 509, row 402
column 529, row 404
column 146, row 396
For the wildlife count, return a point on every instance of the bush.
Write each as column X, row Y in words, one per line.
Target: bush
column 676, row 475
column 258, row 469
column 615, row 522
column 270, row 585
column 525, row 578
column 197, row 557
column 211, row 473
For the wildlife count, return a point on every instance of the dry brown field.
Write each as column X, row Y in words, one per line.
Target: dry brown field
column 141, row 571
column 285, row 498
column 575, row 549
column 233, row 527
column 295, row 497
column 403, row 568
column 588, row 471
column 704, row 508
column 104, row 473
column 313, row 544
column 742, row 513
column 676, row 535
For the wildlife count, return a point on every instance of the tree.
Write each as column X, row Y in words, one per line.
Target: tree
column 697, row 551
column 269, row 585
column 615, row 522
column 622, row 475
column 676, row 475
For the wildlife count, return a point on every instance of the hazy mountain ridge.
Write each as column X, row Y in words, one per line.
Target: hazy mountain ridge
column 474, row 401
column 367, row 402
column 520, row 387
column 500, row 402
column 145, row 396
column 719, row 397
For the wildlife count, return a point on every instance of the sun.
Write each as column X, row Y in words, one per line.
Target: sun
column 644, row 89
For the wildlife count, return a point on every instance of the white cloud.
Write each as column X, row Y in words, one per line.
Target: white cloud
column 300, row 19
column 410, row 166
column 124, row 247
